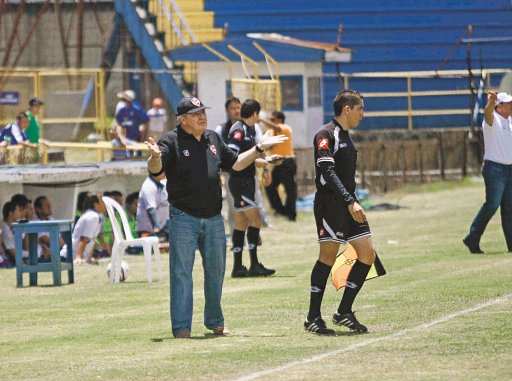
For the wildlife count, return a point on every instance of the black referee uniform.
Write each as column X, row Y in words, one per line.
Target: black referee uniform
column 335, row 159
column 242, row 184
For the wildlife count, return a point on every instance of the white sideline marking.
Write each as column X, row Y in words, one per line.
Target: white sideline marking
column 365, row 343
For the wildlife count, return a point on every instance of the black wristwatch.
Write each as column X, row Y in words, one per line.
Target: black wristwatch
column 258, row 149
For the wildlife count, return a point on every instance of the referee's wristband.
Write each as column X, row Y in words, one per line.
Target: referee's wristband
column 157, row 173
column 259, row 149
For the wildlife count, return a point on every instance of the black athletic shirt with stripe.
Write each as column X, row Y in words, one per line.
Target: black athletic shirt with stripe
column 242, row 138
column 335, row 162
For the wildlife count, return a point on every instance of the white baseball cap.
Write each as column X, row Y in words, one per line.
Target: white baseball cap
column 129, row 95
column 503, row 98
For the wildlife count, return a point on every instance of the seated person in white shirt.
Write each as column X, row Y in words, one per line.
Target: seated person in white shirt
column 4, row 260
column 152, row 207
column 88, row 227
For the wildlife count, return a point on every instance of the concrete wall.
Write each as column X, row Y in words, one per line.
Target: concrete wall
column 63, row 184
column 44, row 48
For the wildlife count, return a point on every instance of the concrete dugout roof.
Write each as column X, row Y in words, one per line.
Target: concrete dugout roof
column 281, row 48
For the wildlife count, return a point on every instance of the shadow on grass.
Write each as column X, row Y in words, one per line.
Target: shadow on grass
column 350, row 333
column 205, row 337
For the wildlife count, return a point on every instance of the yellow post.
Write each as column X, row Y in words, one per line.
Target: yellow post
column 409, row 103
column 44, row 150
column 38, row 92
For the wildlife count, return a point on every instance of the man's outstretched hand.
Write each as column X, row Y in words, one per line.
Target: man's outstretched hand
column 154, row 150
column 270, row 141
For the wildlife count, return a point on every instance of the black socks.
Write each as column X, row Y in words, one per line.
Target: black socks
column 252, row 240
column 355, row 281
column 319, row 276
column 238, row 245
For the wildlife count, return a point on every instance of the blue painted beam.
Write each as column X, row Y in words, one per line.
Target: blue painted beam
column 153, row 57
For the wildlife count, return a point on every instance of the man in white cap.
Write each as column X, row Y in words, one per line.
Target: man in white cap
column 496, row 170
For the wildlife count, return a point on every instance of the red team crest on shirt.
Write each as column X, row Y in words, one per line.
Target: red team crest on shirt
column 323, row 144
column 213, row 149
column 237, row 135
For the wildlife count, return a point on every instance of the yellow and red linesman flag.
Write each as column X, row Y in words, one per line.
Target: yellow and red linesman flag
column 343, row 265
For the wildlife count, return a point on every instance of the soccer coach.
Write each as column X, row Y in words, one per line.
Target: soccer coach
column 192, row 157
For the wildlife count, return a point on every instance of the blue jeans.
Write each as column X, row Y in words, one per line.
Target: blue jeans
column 186, row 234
column 498, row 193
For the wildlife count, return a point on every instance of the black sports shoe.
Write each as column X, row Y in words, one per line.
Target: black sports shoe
column 474, row 247
column 348, row 320
column 239, row 272
column 260, row 270
column 318, row 326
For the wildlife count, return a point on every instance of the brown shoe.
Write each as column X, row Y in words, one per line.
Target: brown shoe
column 221, row 331
column 183, row 334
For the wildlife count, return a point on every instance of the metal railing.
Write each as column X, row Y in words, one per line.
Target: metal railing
column 410, row 94
column 72, row 97
column 178, row 29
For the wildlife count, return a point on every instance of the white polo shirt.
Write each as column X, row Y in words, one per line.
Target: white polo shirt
column 498, row 140
column 152, row 195
column 157, row 119
column 89, row 225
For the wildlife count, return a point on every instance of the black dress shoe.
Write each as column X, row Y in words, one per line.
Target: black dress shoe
column 474, row 247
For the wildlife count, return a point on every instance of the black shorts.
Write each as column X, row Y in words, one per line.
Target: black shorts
column 243, row 190
column 334, row 222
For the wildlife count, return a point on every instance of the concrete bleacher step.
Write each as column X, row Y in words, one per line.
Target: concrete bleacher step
column 190, row 5
column 197, row 19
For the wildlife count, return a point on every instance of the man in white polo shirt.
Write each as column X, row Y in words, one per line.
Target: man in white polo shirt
column 152, row 207
column 497, row 170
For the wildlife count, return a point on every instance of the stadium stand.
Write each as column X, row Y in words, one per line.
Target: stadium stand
column 403, row 35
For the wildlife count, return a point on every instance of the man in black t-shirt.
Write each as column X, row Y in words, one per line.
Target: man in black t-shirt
column 191, row 157
column 339, row 217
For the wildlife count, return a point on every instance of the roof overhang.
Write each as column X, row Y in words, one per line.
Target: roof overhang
column 280, row 48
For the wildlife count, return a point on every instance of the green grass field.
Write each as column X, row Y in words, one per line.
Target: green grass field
column 439, row 314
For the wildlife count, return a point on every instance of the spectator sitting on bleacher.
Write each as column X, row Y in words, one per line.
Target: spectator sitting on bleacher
column 14, row 132
column 43, row 210
column 11, row 212
column 88, row 227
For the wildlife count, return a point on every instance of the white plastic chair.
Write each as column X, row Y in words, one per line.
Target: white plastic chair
column 121, row 242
